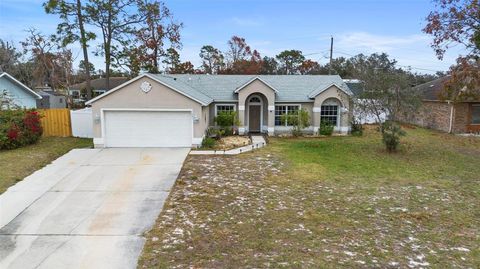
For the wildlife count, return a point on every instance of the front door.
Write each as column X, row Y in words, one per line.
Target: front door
column 254, row 118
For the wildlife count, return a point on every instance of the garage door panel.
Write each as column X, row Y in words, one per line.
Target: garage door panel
column 148, row 129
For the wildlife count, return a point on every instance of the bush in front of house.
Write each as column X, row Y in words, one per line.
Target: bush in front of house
column 227, row 121
column 326, row 128
column 299, row 120
column 357, row 128
column 208, row 142
column 19, row 128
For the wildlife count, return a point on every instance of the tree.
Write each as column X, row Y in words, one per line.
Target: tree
column 9, row 57
column 172, row 59
column 309, row 67
column 269, row 66
column 388, row 92
column 290, row 61
column 212, row 59
column 238, row 49
column 72, row 28
column 183, row 68
column 453, row 23
column 117, row 20
column 241, row 59
column 158, row 29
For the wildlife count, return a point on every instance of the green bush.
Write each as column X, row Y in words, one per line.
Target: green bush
column 357, row 128
column 391, row 133
column 299, row 120
column 326, row 128
column 208, row 142
column 19, row 128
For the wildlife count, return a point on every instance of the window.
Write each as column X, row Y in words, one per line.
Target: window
column 329, row 113
column 61, row 100
column 255, row 99
column 281, row 110
column 224, row 108
column 475, row 114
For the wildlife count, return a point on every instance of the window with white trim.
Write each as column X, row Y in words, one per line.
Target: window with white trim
column 284, row 109
column 329, row 113
column 475, row 114
column 224, row 108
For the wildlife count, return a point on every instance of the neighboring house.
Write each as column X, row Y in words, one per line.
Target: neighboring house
column 357, row 87
column 444, row 115
column 99, row 86
column 20, row 94
column 50, row 98
column 154, row 110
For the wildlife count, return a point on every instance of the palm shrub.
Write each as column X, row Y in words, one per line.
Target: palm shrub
column 326, row 128
column 299, row 120
column 208, row 142
column 391, row 133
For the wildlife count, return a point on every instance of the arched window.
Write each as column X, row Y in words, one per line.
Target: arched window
column 329, row 112
column 255, row 99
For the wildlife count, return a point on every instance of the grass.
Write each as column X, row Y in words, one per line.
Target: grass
column 18, row 163
column 326, row 202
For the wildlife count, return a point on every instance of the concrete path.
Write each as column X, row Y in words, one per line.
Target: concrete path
column 88, row 209
column 257, row 142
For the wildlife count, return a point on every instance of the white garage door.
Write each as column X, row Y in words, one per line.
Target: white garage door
column 148, row 129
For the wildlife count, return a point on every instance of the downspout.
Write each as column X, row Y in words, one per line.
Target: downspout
column 452, row 112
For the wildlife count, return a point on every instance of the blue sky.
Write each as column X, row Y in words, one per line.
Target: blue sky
column 269, row 26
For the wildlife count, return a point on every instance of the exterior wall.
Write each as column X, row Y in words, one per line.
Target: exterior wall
column 343, row 99
column 160, row 97
column 20, row 96
column 257, row 86
column 433, row 115
column 461, row 118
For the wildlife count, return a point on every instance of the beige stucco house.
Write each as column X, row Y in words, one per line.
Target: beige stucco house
column 154, row 110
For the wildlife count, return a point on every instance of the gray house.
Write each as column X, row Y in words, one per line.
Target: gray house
column 50, row 98
column 154, row 110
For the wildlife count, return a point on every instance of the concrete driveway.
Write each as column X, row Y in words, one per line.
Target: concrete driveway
column 88, row 209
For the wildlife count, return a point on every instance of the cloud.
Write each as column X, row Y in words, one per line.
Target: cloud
column 247, row 22
column 379, row 43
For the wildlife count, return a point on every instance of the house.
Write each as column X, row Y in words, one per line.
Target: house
column 50, row 98
column 444, row 115
column 21, row 95
column 99, row 86
column 154, row 110
column 357, row 87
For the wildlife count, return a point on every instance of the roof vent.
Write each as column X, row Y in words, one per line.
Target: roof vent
column 174, row 78
column 431, row 86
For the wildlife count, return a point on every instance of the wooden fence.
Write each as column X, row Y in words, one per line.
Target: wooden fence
column 56, row 122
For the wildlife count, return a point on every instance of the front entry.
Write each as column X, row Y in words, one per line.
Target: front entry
column 254, row 118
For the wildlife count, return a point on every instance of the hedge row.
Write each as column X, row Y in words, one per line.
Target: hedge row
column 19, row 128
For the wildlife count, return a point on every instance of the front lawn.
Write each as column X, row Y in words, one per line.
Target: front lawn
column 326, row 202
column 18, row 163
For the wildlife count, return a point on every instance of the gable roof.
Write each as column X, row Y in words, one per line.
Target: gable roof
column 289, row 88
column 23, row 86
column 252, row 80
column 172, row 84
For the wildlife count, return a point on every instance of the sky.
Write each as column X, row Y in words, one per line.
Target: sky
column 361, row 26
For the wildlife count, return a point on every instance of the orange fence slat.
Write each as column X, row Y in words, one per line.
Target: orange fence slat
column 56, row 122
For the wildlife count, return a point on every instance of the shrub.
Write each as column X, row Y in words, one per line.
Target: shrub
column 208, row 142
column 391, row 133
column 227, row 120
column 326, row 128
column 299, row 120
column 357, row 128
column 19, row 128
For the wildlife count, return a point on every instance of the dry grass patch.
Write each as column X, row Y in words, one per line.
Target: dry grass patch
column 325, row 202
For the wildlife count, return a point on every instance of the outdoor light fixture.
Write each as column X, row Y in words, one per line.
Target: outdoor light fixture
column 195, row 119
column 97, row 118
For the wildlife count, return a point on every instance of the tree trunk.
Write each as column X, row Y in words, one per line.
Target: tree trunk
column 83, row 41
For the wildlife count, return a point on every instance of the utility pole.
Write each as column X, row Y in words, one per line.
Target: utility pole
column 331, row 55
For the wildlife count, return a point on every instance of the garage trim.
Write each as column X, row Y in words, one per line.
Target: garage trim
column 103, row 110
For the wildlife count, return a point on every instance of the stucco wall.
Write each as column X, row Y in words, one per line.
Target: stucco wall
column 160, row 97
column 20, row 96
column 342, row 98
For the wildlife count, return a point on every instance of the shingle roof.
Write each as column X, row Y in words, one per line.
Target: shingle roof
column 432, row 89
column 290, row 88
column 100, row 83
